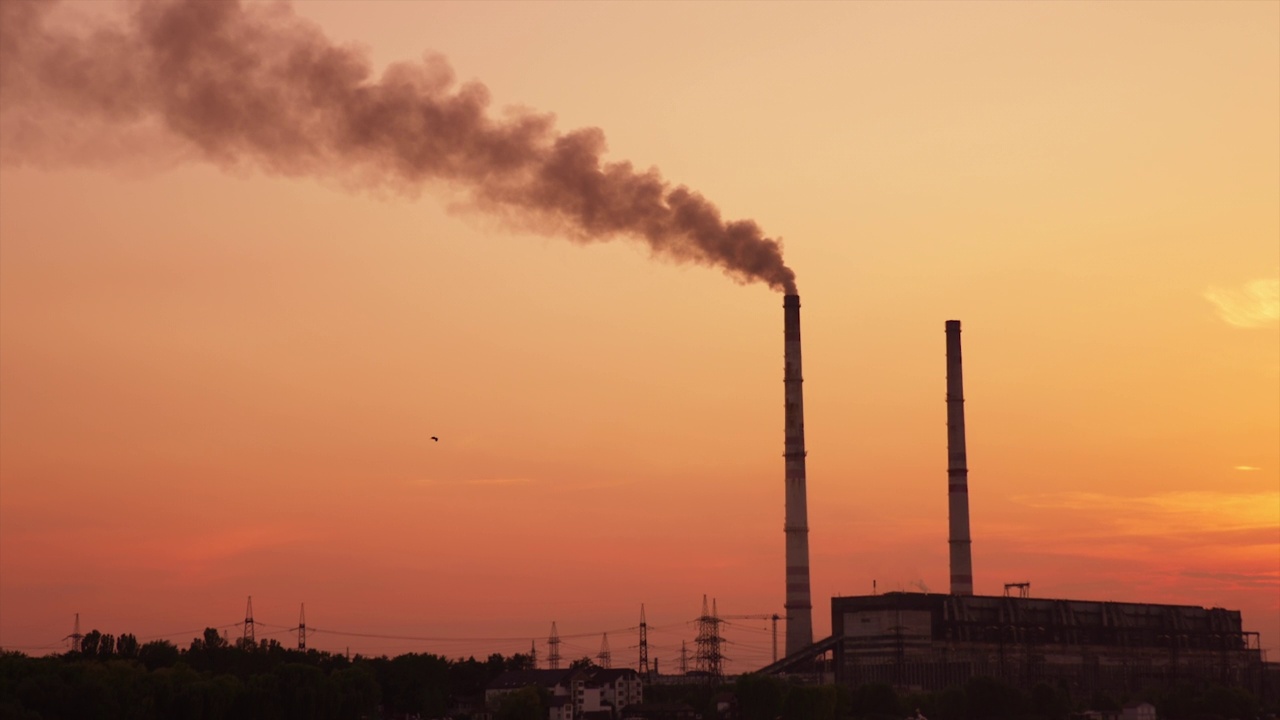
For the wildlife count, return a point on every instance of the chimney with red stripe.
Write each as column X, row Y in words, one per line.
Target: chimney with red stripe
column 798, row 605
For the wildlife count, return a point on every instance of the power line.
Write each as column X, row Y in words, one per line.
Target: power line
column 251, row 628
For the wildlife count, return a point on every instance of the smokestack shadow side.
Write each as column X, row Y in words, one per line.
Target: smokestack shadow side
column 798, row 605
column 957, row 469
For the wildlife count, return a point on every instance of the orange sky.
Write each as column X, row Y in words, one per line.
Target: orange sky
column 218, row 382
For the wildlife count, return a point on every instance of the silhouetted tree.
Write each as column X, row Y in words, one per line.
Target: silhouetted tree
column 950, row 704
column 807, row 702
column 991, row 698
column 414, row 683
column 304, row 690
column 107, row 645
column 1103, row 701
column 1187, row 701
column 212, row 639
column 158, row 654
column 875, row 698
column 1050, row 702
column 358, row 689
column 525, row 704
column 89, row 643
column 760, row 697
column 127, row 646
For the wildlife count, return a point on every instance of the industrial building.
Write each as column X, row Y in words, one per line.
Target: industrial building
column 933, row 641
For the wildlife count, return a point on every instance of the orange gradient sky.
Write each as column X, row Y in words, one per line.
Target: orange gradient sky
column 217, row 382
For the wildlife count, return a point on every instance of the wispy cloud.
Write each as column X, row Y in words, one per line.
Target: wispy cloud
column 1180, row 544
column 595, row 485
column 216, row 553
column 1247, row 468
column 573, row 486
column 498, row 481
column 1250, row 580
column 458, row 482
column 1256, row 304
column 1188, row 511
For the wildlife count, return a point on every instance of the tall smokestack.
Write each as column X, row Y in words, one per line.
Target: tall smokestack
column 799, row 608
column 957, row 469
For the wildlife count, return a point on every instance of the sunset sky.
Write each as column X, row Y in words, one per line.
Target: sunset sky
column 220, row 377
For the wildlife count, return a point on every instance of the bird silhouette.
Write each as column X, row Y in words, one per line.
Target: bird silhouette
column 433, row 437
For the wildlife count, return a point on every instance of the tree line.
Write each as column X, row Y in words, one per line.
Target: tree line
column 118, row 678
column 112, row 678
column 981, row 698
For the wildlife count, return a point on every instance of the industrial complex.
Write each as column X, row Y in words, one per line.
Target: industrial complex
column 927, row 641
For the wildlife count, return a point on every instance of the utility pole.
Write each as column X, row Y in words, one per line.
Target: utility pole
column 774, row 619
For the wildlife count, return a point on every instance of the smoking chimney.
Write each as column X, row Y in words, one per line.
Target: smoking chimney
column 799, row 608
column 957, row 469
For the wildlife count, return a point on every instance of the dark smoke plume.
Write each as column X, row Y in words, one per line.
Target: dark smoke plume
column 258, row 84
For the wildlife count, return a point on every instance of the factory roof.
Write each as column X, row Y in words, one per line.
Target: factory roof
column 611, row 674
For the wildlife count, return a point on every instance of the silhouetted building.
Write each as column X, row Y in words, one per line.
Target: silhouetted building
column 560, row 708
column 558, row 684
column 932, row 641
column 576, row 694
column 1138, row 711
column 619, row 687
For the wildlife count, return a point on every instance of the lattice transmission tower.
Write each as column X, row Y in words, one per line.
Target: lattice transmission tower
column 302, row 627
column 644, row 645
column 76, row 636
column 604, row 656
column 553, row 648
column 708, row 657
column 250, row 638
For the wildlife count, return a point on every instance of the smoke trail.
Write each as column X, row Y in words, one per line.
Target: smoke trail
column 258, row 84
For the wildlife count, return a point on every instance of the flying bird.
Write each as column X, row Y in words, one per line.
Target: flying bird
column 433, row 437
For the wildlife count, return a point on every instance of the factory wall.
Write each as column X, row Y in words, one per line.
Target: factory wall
column 932, row 641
